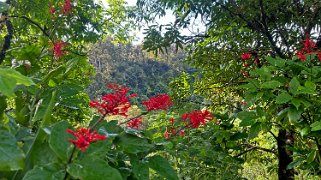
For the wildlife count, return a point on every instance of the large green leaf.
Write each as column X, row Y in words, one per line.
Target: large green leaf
column 132, row 144
column 316, row 126
column 140, row 168
column 88, row 169
column 11, row 157
column 284, row 97
column 255, row 130
column 58, row 140
column 271, row 84
column 294, row 85
column 278, row 62
column 162, row 167
column 9, row 78
column 294, row 115
column 49, row 171
column 247, row 118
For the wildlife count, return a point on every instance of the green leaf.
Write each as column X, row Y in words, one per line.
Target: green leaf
column 11, row 157
column 140, row 168
column 132, row 144
column 264, row 72
column 308, row 88
column 3, row 7
column 294, row 86
column 49, row 171
column 247, row 118
column 255, row 130
column 296, row 102
column 278, row 62
column 311, row 156
column 9, row 78
column 162, row 167
column 305, row 131
column 295, row 163
column 58, row 140
column 316, row 126
column 294, row 115
column 93, row 169
column 271, row 84
column 284, row 97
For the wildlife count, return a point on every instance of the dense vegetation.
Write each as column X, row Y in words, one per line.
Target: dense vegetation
column 78, row 103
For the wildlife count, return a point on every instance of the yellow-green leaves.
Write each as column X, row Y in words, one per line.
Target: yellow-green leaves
column 9, row 79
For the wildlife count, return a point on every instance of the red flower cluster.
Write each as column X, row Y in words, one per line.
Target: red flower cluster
column 66, row 8
column 57, row 48
column 309, row 47
column 84, row 137
column 197, row 117
column 161, row 101
column 167, row 134
column 135, row 123
column 114, row 104
column 246, row 56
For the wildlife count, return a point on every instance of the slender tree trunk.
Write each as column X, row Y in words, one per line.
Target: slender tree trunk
column 284, row 155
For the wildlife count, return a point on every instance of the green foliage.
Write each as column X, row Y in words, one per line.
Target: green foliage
column 11, row 158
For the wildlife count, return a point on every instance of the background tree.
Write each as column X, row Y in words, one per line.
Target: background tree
column 232, row 28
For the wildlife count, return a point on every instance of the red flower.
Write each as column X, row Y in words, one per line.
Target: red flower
column 197, row 117
column 246, row 56
column 66, row 8
column 114, row 104
column 166, row 134
column 171, row 121
column 181, row 133
column 84, row 137
column 52, row 9
column 301, row 55
column 135, row 123
column 57, row 48
column 161, row 101
column 308, row 44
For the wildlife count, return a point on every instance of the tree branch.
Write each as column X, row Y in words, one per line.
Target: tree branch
column 251, row 148
column 34, row 23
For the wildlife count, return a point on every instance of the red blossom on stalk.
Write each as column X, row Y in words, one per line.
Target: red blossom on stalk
column 301, row 55
column 161, row 101
column 246, row 56
column 66, row 8
column 171, row 121
column 166, row 134
column 182, row 133
column 51, row 7
column 57, row 48
column 135, row 123
column 197, row 117
column 308, row 44
column 84, row 137
column 116, row 103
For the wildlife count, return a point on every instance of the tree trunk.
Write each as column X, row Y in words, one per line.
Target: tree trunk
column 284, row 155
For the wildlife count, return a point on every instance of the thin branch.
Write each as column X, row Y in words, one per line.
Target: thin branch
column 251, row 148
column 34, row 23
